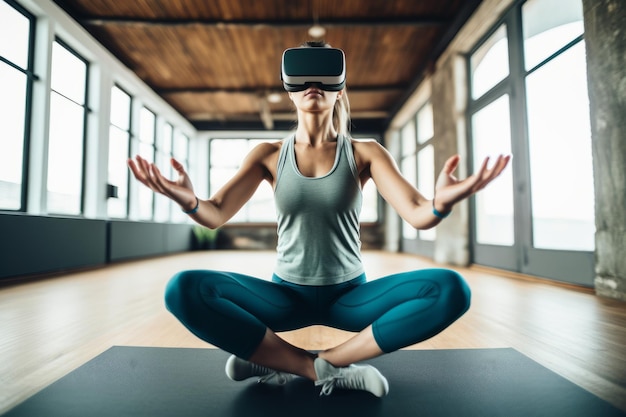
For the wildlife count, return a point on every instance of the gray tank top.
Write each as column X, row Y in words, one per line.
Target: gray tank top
column 318, row 219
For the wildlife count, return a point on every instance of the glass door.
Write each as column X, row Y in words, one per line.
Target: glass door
column 529, row 97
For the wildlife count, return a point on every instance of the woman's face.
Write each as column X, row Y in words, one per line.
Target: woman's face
column 314, row 99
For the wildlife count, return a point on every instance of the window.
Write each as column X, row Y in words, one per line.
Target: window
column 147, row 130
column 408, row 167
column 528, row 97
column 558, row 118
column 119, row 142
column 225, row 159
column 369, row 209
column 164, row 149
column 417, row 165
column 426, row 161
column 490, row 63
column 68, row 112
column 494, row 205
column 16, row 77
column 180, row 152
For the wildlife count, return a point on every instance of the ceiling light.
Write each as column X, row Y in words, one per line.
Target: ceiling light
column 317, row 31
column 274, row 98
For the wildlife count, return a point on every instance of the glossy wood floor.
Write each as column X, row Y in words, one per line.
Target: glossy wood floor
column 52, row 326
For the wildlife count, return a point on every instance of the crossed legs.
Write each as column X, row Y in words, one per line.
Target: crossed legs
column 236, row 313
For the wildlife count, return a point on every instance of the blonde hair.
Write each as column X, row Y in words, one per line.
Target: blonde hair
column 341, row 109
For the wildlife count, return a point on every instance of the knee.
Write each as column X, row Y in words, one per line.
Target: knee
column 179, row 290
column 457, row 293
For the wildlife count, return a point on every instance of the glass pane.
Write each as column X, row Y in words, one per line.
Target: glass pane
column 253, row 143
column 369, row 210
column 181, row 147
column 261, row 207
column 161, row 203
column 65, row 156
column 548, row 26
column 219, row 177
column 146, row 198
column 69, row 74
column 120, row 108
column 228, row 152
column 490, row 63
column 146, row 151
column 118, row 171
column 558, row 119
column 409, row 143
column 409, row 171
column 426, row 182
column 165, row 144
column 146, row 126
column 494, row 205
column 425, row 128
column 14, row 35
column 12, row 115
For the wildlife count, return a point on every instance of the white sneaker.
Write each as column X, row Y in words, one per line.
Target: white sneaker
column 239, row 369
column 356, row 377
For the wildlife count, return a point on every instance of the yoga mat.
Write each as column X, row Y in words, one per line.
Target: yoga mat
column 160, row 382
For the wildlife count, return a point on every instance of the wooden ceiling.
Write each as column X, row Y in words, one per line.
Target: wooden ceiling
column 216, row 61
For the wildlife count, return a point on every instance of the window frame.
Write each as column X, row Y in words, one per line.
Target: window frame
column 31, row 77
column 129, row 132
column 86, row 111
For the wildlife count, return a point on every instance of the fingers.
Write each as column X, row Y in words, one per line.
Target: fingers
column 148, row 174
column 138, row 171
column 486, row 175
column 178, row 166
column 159, row 181
column 451, row 164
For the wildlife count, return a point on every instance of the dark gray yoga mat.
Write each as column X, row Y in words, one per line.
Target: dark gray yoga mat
column 160, row 382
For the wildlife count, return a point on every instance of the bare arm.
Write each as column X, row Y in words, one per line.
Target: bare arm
column 410, row 204
column 217, row 210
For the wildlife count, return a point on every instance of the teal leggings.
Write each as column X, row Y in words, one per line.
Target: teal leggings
column 233, row 311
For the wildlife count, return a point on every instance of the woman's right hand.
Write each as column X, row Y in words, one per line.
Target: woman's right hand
column 180, row 191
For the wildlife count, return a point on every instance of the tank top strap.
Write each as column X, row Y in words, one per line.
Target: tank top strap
column 349, row 153
column 285, row 150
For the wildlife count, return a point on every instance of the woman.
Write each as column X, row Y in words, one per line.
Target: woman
column 317, row 175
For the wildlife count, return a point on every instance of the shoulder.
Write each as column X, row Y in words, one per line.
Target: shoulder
column 368, row 150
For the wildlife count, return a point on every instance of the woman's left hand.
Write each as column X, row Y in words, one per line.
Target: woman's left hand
column 449, row 190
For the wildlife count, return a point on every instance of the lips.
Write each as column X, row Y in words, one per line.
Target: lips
column 313, row 91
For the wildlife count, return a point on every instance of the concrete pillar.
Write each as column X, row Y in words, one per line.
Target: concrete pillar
column 605, row 39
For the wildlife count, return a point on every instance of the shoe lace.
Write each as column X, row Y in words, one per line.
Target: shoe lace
column 279, row 378
column 340, row 380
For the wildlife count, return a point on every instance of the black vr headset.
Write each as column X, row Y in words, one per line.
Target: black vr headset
column 305, row 66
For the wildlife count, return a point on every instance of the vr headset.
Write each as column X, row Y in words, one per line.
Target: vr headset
column 305, row 66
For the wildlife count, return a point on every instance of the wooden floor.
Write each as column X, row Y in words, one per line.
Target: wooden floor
column 52, row 326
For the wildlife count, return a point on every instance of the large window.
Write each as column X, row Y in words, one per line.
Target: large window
column 226, row 156
column 68, row 115
column 418, row 167
column 119, row 142
column 426, row 161
column 180, row 152
column 16, row 77
column 529, row 97
column 408, row 167
column 164, row 150
column 147, row 131
column 558, row 118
